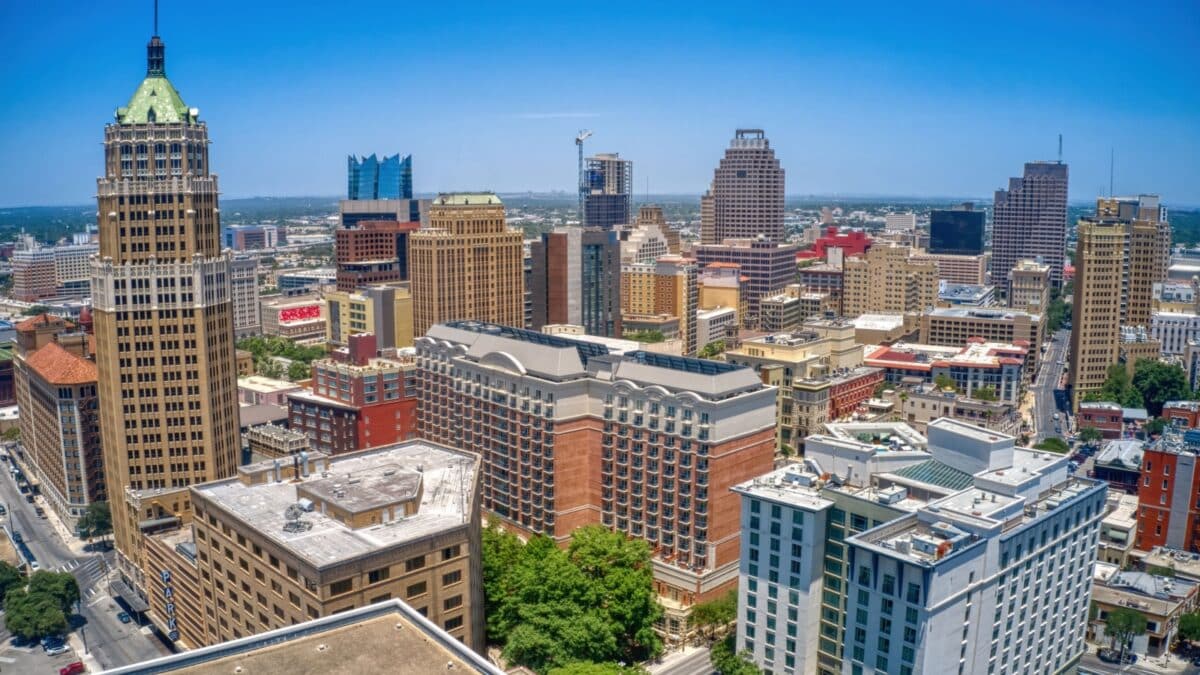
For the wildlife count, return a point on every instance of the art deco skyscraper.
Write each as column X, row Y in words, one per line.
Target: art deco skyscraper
column 1029, row 220
column 1122, row 252
column 163, row 313
column 746, row 196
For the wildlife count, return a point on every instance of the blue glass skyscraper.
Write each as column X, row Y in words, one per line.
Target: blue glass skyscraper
column 372, row 178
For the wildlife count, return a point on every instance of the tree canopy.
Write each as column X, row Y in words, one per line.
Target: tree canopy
column 589, row 668
column 1053, row 444
column 264, row 348
column 96, row 521
column 1122, row 625
column 943, row 381
column 550, row 608
column 1189, row 626
column 61, row 586
column 1158, row 383
column 1090, row 435
column 10, row 577
column 728, row 662
column 713, row 615
column 647, row 336
column 985, row 393
column 712, row 349
column 1155, row 426
column 33, row 615
column 1118, row 388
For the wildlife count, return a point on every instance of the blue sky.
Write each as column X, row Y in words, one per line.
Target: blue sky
column 887, row 98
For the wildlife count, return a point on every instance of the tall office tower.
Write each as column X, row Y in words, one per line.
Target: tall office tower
column 1121, row 253
column 607, row 191
column 576, row 279
column 768, row 268
column 243, row 287
column 957, row 231
column 1029, row 220
column 745, row 199
column 884, row 281
column 34, row 274
column 372, row 178
column 643, row 443
column 372, row 252
column 668, row 287
column 163, row 313
column 467, row 265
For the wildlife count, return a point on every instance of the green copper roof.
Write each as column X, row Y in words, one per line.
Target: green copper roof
column 155, row 101
column 934, row 472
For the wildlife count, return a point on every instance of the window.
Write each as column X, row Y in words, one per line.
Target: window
column 451, row 552
column 336, row 588
column 413, row 564
column 376, row 576
column 452, row 602
column 415, row 589
column 452, row 623
column 451, row 577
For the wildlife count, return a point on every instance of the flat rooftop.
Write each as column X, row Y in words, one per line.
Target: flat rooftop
column 265, row 385
column 355, row 482
column 387, row 637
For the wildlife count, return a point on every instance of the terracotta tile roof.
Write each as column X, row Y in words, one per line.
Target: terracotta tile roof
column 59, row 366
column 41, row 319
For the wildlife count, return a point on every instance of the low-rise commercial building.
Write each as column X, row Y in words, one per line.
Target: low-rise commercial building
column 923, row 403
column 300, row 318
column 1162, row 600
column 1105, row 416
column 260, row 390
column 996, row 367
column 1029, row 287
column 955, row 326
column 269, row 441
column 1118, row 530
column 956, row 269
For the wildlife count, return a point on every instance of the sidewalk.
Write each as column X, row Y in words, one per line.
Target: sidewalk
column 65, row 535
column 671, row 658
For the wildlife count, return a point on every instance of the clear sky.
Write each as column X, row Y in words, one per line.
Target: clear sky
column 887, row 98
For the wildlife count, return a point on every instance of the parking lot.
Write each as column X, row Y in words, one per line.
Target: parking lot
column 30, row 659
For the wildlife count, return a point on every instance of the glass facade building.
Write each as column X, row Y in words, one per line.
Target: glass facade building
column 957, row 231
column 373, row 178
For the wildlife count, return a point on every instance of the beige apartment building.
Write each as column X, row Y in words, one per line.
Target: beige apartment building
column 163, row 316
column 1122, row 252
column 956, row 269
column 294, row 539
column 1029, row 286
column 665, row 288
column 885, row 280
column 467, row 265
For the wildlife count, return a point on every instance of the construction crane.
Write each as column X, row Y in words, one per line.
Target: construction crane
column 584, row 134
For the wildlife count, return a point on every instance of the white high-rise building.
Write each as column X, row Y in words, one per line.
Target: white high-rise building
column 974, row 557
column 901, row 222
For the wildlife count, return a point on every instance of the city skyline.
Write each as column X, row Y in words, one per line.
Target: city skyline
column 869, row 104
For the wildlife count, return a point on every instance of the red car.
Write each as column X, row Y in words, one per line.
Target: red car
column 72, row 669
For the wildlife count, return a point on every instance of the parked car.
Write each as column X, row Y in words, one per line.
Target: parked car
column 3, row 510
column 29, row 497
column 17, row 538
column 41, row 512
column 55, row 645
column 72, row 669
column 124, row 617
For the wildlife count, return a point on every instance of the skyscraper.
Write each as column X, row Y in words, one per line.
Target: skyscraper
column 957, row 231
column 467, row 265
column 746, row 195
column 1029, row 220
column 163, row 314
column 371, row 178
column 576, row 279
column 1122, row 251
column 607, row 191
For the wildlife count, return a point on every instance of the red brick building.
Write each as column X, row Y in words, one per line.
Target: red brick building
column 1105, row 416
column 357, row 401
column 847, row 392
column 1185, row 414
column 1167, row 513
column 372, row 252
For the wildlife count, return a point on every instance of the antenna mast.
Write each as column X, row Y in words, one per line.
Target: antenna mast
column 1060, row 148
column 1112, row 161
column 156, row 17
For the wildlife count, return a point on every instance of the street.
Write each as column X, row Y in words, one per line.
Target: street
column 1047, row 397
column 694, row 663
column 1090, row 663
column 109, row 641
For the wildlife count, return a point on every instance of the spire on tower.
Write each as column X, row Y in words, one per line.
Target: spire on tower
column 156, row 56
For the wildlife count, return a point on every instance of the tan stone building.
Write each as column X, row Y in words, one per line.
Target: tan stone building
column 956, row 269
column 885, row 280
column 666, row 288
column 955, row 326
column 386, row 310
column 1029, row 286
column 1121, row 253
column 162, row 312
column 290, row 540
column 467, row 265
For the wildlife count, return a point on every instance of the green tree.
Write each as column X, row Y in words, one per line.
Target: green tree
column 714, row 615
column 622, row 582
column 647, row 336
column 501, row 550
column 1189, row 626
column 34, row 310
column 10, row 578
column 11, row 434
column 985, row 394
column 1158, row 383
column 727, row 661
column 589, row 668
column 1121, row 626
column 1160, row 571
column 1155, row 426
column 944, row 381
column 712, row 349
column 1117, row 388
column 61, row 586
column 298, row 370
column 268, row 367
column 96, row 521
column 33, row 615
column 1053, row 444
column 1090, row 436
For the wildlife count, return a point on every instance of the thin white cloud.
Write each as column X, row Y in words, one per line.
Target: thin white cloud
column 554, row 115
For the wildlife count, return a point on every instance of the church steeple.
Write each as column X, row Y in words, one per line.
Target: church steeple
column 156, row 51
